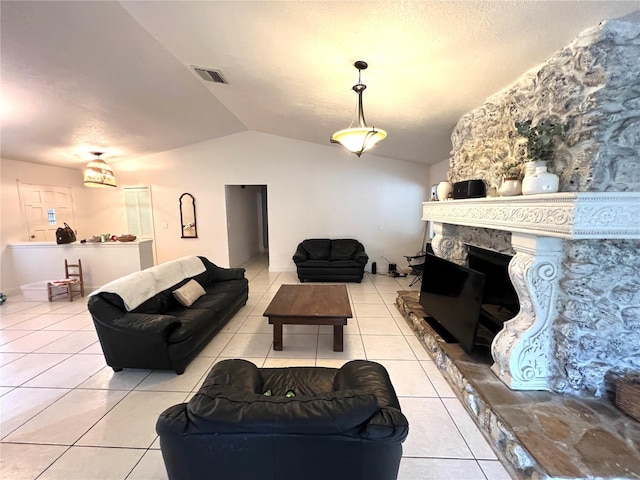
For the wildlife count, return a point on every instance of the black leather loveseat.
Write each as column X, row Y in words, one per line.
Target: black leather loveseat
column 342, row 424
column 325, row 260
column 141, row 324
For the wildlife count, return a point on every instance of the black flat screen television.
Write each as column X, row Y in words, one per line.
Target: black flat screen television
column 452, row 295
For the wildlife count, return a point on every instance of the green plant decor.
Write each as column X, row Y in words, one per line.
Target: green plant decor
column 540, row 139
column 512, row 170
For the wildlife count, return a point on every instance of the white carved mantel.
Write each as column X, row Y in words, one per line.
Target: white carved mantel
column 539, row 224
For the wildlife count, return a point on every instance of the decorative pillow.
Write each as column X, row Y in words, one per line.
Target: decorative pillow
column 189, row 293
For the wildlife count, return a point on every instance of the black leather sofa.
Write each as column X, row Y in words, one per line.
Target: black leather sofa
column 341, row 424
column 326, row 260
column 140, row 323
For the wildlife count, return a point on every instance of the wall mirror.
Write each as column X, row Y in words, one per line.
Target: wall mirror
column 188, row 216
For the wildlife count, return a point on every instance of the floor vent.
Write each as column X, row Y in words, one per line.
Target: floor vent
column 210, row 75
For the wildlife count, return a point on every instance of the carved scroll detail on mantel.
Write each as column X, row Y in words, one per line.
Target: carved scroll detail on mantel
column 565, row 215
column 520, row 349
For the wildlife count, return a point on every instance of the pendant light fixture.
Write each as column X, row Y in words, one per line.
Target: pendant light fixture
column 359, row 138
column 98, row 173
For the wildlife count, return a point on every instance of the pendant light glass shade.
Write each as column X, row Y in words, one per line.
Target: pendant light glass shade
column 360, row 138
column 98, row 173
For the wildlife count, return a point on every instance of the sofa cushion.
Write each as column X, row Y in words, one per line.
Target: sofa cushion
column 302, row 380
column 161, row 303
column 315, row 263
column 344, row 264
column 343, row 249
column 221, row 411
column 148, row 323
column 317, row 248
column 189, row 293
column 193, row 321
column 204, row 314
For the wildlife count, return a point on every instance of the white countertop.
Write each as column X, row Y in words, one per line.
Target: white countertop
column 78, row 244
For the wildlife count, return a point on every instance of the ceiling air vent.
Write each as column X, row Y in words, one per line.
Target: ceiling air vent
column 210, row 75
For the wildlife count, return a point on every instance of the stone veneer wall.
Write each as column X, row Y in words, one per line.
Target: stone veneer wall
column 597, row 335
column 593, row 85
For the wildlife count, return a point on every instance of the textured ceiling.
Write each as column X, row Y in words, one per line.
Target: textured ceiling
column 116, row 77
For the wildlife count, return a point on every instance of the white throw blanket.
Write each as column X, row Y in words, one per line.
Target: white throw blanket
column 138, row 287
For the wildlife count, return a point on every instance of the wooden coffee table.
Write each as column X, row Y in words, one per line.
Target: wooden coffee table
column 309, row 305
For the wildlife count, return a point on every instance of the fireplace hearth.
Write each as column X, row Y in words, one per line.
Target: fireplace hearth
column 536, row 435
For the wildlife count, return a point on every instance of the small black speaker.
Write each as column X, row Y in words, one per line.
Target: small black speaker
column 469, row 189
column 374, row 268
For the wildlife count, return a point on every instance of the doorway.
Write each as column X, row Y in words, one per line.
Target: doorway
column 247, row 222
column 139, row 206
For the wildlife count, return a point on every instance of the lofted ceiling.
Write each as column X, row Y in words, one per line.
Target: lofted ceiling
column 79, row 76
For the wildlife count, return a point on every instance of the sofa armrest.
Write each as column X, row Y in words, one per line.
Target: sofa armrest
column 173, row 421
column 108, row 316
column 234, row 374
column 367, row 376
column 301, row 255
column 361, row 257
column 225, row 274
column 389, row 423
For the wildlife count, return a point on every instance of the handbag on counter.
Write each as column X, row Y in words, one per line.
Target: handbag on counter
column 65, row 235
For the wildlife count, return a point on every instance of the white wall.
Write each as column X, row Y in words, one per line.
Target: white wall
column 13, row 228
column 313, row 191
column 439, row 172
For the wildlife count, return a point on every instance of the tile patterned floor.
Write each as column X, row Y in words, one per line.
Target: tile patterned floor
column 65, row 415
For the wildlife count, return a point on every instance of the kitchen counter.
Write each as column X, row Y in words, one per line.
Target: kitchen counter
column 101, row 262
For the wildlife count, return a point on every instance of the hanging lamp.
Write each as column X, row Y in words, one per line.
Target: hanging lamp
column 360, row 138
column 98, row 173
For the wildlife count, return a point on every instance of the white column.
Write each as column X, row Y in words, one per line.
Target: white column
column 521, row 349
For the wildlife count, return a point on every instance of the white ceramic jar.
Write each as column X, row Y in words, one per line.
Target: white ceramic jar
column 510, row 187
column 444, row 190
column 539, row 180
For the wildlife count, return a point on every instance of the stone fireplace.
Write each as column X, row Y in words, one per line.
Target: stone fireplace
column 541, row 228
column 576, row 254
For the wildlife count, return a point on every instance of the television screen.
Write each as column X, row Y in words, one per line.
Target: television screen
column 452, row 295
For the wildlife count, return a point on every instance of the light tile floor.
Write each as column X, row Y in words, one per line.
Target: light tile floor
column 65, row 415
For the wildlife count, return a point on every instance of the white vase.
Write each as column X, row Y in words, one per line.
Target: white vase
column 510, row 187
column 538, row 180
column 530, row 166
column 444, row 190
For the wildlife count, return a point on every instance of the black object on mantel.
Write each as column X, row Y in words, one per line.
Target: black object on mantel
column 469, row 189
